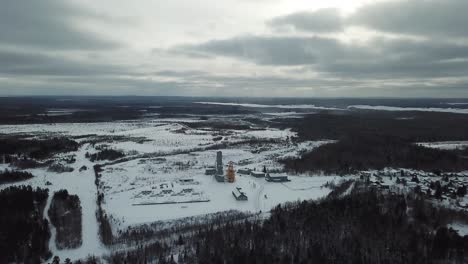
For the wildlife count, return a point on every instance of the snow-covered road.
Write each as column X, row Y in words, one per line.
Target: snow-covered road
column 77, row 183
column 82, row 184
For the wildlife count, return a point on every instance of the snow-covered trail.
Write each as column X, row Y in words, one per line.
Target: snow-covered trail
column 259, row 197
column 76, row 183
column 53, row 231
column 82, row 184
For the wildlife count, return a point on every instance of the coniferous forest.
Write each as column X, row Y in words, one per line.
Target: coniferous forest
column 24, row 233
column 363, row 227
column 65, row 215
column 371, row 140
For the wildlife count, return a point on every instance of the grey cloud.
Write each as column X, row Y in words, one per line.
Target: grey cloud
column 24, row 63
column 430, row 18
column 400, row 59
column 417, row 17
column 323, row 20
column 268, row 50
column 380, row 58
column 47, row 24
column 172, row 73
column 349, row 86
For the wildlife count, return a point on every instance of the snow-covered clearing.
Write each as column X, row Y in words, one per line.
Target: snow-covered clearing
column 298, row 106
column 77, row 183
column 262, row 196
column 420, row 109
column 164, row 151
column 123, row 181
column 447, row 145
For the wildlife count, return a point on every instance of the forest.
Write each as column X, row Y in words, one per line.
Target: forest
column 65, row 215
column 363, row 227
column 35, row 148
column 21, row 210
column 105, row 154
column 9, row 176
column 370, row 140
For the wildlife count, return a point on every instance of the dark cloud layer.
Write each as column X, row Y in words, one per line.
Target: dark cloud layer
column 46, row 24
column 26, row 63
column 268, row 50
column 381, row 58
column 43, row 47
column 408, row 63
column 416, row 17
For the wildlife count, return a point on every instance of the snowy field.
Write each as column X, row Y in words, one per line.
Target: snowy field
column 123, row 182
column 138, row 181
column 447, row 145
column 419, row 109
column 77, row 183
column 162, row 153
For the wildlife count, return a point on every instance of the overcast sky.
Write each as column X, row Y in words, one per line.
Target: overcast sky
column 332, row 48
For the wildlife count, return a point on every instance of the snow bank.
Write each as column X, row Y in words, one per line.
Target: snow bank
column 421, row 109
column 298, row 106
column 462, row 229
column 446, row 145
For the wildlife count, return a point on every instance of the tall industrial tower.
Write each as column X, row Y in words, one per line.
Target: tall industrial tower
column 219, row 163
column 230, row 174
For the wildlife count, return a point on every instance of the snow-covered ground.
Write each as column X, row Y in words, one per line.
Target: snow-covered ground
column 77, row 183
column 262, row 196
column 122, row 182
column 462, row 229
column 447, row 145
column 421, row 109
column 295, row 106
column 169, row 151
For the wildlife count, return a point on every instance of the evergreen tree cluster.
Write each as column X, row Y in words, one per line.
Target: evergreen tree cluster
column 376, row 139
column 363, row 227
column 65, row 215
column 105, row 154
column 36, row 148
column 9, row 176
column 24, row 232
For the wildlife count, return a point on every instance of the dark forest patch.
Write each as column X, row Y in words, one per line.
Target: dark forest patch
column 105, row 154
column 36, row 148
column 65, row 215
column 374, row 140
column 363, row 227
column 9, row 176
column 24, row 233
column 350, row 155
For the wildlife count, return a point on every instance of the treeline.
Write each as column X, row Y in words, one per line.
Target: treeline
column 355, row 153
column 105, row 228
column 9, row 176
column 163, row 229
column 24, row 233
column 217, row 125
column 65, row 215
column 363, row 227
column 35, row 148
column 406, row 126
column 105, row 154
column 378, row 139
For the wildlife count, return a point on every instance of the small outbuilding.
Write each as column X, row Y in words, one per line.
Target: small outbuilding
column 239, row 194
column 257, row 174
column 245, row 171
column 210, row 171
column 276, row 178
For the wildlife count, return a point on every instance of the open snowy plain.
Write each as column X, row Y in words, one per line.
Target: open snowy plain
column 162, row 176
